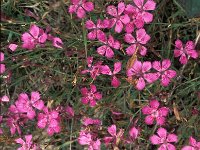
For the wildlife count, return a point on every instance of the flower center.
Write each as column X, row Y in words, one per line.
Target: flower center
column 90, row 95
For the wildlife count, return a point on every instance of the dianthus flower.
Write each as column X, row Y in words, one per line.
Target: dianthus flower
column 94, row 70
column 119, row 20
column 164, row 139
column 185, row 52
column 25, row 105
column 139, row 71
column 194, row 145
column 106, row 49
column 96, row 29
column 35, row 36
column 115, row 137
column 117, row 68
column 49, row 119
column 141, row 39
column 80, row 7
column 13, row 47
column 153, row 112
column 90, row 96
column 4, row 99
column 86, row 138
column 27, row 144
column 163, row 71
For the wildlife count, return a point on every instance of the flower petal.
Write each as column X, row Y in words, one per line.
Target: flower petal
column 155, row 140
column 140, row 84
column 88, row 6
column 162, row 133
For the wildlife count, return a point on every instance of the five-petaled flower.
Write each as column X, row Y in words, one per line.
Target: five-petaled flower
column 106, row 49
column 27, row 144
column 49, row 119
column 25, row 105
column 139, row 71
column 119, row 20
column 86, row 138
column 163, row 71
column 90, row 96
column 137, row 44
column 80, row 7
column 194, row 145
column 35, row 36
column 164, row 139
column 185, row 52
column 153, row 112
column 96, row 29
column 115, row 137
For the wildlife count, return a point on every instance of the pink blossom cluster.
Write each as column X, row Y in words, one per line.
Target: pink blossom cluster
column 36, row 36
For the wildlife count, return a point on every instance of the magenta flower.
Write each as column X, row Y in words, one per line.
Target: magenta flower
column 27, row 144
column 134, row 133
column 90, row 96
column 80, row 7
column 164, row 139
column 70, row 111
column 164, row 71
column 115, row 137
column 139, row 72
column 49, row 119
column 117, row 68
column 33, row 37
column 106, row 49
column 87, row 139
column 96, row 29
column 119, row 20
column 94, row 70
column 1, row 118
column 194, row 145
column 89, row 121
column 185, row 52
column 25, row 105
column 141, row 39
column 13, row 47
column 153, row 112
column 2, row 66
column 142, row 9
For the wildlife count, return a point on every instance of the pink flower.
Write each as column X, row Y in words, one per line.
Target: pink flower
column 96, row 29
column 94, row 70
column 2, row 66
column 194, row 145
column 141, row 39
column 80, row 7
column 25, row 105
column 4, row 99
column 1, row 118
column 70, row 111
column 164, row 139
column 90, row 96
column 49, row 119
column 142, row 9
column 89, row 121
column 139, row 72
column 185, row 52
column 13, row 47
column 27, row 144
column 163, row 71
column 33, row 37
column 115, row 137
column 106, row 49
column 119, row 20
column 87, row 139
column 153, row 112
column 117, row 68
column 134, row 133
column 57, row 42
